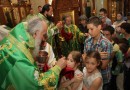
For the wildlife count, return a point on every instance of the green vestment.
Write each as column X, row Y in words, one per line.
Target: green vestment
column 17, row 69
column 74, row 43
column 29, row 16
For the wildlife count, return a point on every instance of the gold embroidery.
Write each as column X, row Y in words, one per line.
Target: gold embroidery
column 4, row 58
column 48, row 83
column 11, row 52
column 21, row 47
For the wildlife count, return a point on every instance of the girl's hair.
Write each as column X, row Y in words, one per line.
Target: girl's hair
column 96, row 55
column 77, row 57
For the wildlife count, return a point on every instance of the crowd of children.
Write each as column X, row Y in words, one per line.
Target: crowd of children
column 105, row 64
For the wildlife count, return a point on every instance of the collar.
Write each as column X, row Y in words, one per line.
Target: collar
column 68, row 26
column 99, row 39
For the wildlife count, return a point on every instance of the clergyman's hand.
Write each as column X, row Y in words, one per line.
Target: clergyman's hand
column 59, row 25
column 61, row 62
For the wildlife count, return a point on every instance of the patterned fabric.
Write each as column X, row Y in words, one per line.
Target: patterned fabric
column 17, row 66
column 102, row 45
column 74, row 43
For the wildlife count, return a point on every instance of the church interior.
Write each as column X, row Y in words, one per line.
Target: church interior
column 14, row 11
column 64, row 44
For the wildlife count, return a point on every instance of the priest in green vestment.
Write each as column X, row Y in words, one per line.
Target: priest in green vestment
column 46, row 14
column 30, row 15
column 70, row 37
column 18, row 70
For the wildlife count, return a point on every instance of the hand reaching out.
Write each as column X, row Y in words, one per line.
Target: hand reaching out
column 61, row 62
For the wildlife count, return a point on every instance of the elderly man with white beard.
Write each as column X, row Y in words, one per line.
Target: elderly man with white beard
column 17, row 66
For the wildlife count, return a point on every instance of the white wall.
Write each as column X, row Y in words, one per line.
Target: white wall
column 36, row 3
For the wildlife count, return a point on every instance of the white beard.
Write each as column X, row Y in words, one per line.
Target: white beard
column 37, row 47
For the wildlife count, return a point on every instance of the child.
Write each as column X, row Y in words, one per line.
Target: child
column 97, row 42
column 73, row 61
column 124, row 46
column 92, row 77
column 116, row 60
column 48, row 48
column 42, row 61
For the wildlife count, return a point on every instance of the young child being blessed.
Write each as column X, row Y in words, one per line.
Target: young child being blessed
column 92, row 78
column 73, row 82
column 42, row 61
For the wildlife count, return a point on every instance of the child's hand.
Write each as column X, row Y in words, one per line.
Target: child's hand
column 78, row 78
column 104, row 55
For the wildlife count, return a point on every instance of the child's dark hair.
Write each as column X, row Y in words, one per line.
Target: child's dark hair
column 126, row 27
column 96, row 55
column 116, row 40
column 103, row 10
column 77, row 57
column 110, row 29
column 124, row 45
column 94, row 20
column 120, row 13
column 39, row 6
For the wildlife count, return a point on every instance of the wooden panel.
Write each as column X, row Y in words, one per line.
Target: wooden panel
column 2, row 19
column 12, row 13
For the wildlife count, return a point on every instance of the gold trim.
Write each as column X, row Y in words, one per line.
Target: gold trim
column 21, row 47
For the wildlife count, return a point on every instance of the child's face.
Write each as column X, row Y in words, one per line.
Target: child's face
column 70, row 62
column 91, row 65
column 83, row 22
column 122, row 31
column 94, row 31
column 107, row 34
column 119, row 16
